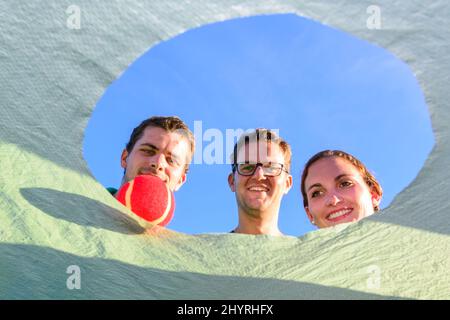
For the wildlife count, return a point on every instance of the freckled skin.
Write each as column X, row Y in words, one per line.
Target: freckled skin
column 337, row 185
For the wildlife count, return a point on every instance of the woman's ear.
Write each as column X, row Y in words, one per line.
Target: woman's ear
column 376, row 199
column 310, row 216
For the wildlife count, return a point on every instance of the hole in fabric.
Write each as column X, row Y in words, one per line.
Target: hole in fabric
column 320, row 87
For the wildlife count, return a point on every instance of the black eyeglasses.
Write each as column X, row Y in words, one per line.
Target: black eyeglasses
column 248, row 169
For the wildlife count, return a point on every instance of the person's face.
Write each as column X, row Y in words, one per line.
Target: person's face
column 337, row 193
column 259, row 193
column 159, row 153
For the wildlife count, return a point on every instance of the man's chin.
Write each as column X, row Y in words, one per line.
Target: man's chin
column 257, row 206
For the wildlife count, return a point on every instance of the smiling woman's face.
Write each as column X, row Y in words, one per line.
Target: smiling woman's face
column 337, row 193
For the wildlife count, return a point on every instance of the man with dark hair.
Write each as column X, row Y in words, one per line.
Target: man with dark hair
column 159, row 146
column 260, row 177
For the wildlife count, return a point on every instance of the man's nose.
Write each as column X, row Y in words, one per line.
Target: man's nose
column 259, row 173
column 158, row 161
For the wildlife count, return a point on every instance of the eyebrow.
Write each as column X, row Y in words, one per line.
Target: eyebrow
column 148, row 145
column 151, row 146
column 335, row 179
column 341, row 175
column 314, row 185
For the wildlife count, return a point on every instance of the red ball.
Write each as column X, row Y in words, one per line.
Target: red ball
column 148, row 197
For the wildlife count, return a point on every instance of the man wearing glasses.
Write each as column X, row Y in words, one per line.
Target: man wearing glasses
column 259, row 178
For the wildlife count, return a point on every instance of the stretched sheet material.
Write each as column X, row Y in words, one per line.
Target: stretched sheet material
column 54, row 214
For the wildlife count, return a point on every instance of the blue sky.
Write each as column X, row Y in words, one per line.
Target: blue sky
column 320, row 87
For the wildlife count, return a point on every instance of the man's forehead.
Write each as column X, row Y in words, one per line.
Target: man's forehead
column 160, row 135
column 168, row 141
column 260, row 151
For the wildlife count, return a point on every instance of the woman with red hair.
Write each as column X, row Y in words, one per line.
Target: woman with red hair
column 337, row 188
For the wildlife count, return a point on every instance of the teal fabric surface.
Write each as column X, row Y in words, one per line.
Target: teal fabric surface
column 58, row 222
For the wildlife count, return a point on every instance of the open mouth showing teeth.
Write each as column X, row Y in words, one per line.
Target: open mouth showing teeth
column 259, row 189
column 339, row 214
